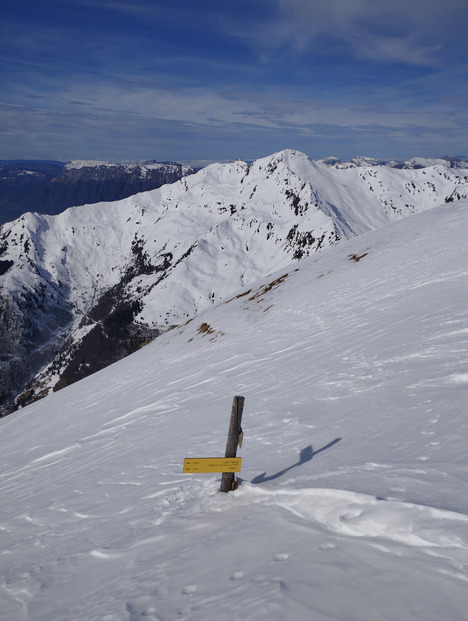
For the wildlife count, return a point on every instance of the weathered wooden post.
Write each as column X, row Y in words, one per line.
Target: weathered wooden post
column 233, row 441
column 228, row 464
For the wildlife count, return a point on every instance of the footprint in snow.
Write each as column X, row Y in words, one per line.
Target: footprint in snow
column 236, row 575
column 140, row 609
column 352, row 514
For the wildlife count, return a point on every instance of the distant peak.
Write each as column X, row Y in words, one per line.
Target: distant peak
column 77, row 164
column 447, row 161
column 358, row 161
column 288, row 154
column 148, row 165
column 292, row 159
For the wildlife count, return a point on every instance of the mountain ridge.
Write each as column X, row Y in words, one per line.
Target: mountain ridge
column 50, row 186
column 111, row 276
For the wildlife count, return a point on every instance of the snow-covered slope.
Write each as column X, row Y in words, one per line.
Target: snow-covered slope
column 129, row 270
column 354, row 496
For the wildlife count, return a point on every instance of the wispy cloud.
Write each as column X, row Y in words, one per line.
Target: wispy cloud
column 264, row 110
column 378, row 30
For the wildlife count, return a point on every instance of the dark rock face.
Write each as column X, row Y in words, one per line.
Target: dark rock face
column 93, row 184
column 113, row 335
column 34, row 330
column 29, row 325
column 22, row 186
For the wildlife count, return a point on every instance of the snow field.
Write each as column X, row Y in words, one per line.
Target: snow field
column 353, row 497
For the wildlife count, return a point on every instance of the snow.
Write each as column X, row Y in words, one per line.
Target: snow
column 353, row 502
column 78, row 164
column 31, row 173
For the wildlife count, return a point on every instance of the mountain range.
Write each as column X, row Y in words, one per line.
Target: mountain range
column 50, row 186
column 86, row 287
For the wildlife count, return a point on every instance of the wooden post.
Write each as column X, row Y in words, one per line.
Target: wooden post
column 228, row 478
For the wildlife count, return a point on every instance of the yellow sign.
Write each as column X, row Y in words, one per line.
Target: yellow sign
column 212, row 464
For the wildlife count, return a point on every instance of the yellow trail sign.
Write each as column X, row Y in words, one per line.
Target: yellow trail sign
column 212, row 464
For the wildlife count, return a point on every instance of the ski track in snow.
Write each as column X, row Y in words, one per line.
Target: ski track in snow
column 353, row 497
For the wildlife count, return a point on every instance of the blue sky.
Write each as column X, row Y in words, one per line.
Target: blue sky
column 205, row 80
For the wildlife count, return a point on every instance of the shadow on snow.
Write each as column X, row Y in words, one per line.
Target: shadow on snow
column 305, row 455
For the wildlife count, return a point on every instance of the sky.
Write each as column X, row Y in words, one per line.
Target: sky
column 213, row 81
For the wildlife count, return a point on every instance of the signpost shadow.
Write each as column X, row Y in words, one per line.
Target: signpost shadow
column 305, row 455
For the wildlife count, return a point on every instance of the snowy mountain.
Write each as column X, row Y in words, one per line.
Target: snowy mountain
column 86, row 287
column 51, row 187
column 415, row 162
column 353, row 504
